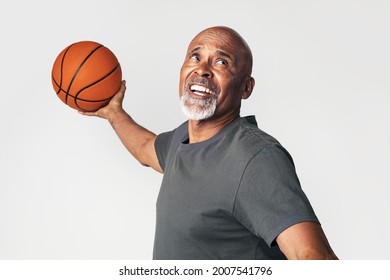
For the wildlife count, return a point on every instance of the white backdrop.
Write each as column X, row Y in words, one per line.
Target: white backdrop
column 70, row 190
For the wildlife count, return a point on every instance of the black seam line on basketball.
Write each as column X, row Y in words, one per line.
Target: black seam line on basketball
column 54, row 80
column 60, row 89
column 61, row 68
column 82, row 99
column 76, row 98
column 78, row 70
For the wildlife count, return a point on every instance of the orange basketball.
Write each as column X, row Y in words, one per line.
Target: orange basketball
column 86, row 75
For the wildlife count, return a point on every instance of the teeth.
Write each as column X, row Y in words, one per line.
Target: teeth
column 200, row 89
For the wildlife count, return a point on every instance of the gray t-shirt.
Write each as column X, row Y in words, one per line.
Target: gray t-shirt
column 228, row 197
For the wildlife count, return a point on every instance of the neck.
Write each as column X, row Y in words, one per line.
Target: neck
column 205, row 129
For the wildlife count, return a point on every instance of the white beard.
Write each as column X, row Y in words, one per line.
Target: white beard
column 197, row 109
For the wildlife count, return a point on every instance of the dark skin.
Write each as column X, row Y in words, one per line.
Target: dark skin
column 221, row 56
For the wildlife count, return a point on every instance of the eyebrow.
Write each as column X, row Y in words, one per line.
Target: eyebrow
column 194, row 50
column 222, row 53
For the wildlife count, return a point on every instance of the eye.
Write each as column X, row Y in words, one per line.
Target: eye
column 221, row 61
column 194, row 57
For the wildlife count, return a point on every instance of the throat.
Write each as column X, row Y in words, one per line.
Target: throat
column 203, row 130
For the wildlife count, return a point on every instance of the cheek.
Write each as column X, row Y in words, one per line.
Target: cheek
column 227, row 84
column 181, row 82
column 231, row 92
column 184, row 73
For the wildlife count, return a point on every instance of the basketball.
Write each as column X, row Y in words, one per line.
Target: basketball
column 86, row 75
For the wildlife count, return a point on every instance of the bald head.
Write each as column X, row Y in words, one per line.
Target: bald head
column 231, row 37
column 216, row 75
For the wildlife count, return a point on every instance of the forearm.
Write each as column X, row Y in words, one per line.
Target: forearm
column 138, row 140
column 312, row 254
column 305, row 241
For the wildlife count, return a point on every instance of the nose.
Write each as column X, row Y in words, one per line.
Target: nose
column 203, row 70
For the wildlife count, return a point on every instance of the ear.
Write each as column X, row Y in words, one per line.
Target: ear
column 249, row 85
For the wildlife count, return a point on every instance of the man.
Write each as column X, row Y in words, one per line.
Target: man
column 229, row 190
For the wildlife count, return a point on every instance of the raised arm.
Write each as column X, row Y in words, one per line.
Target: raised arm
column 305, row 241
column 138, row 140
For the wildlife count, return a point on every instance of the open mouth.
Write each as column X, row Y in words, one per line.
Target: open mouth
column 201, row 91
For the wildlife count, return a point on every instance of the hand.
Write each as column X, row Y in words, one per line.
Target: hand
column 114, row 106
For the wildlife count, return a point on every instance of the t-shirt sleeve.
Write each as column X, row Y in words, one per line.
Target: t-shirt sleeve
column 270, row 198
column 161, row 146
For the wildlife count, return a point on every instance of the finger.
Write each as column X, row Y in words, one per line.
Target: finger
column 118, row 97
column 94, row 114
column 123, row 87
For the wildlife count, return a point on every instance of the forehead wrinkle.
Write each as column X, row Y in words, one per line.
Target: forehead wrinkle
column 229, row 38
column 223, row 53
column 217, row 51
column 194, row 50
column 223, row 42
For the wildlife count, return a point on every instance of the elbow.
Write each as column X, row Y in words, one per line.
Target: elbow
column 314, row 254
column 148, row 161
column 143, row 160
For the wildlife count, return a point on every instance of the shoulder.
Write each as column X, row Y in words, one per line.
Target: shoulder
column 248, row 125
column 180, row 132
column 252, row 144
column 249, row 136
column 165, row 140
